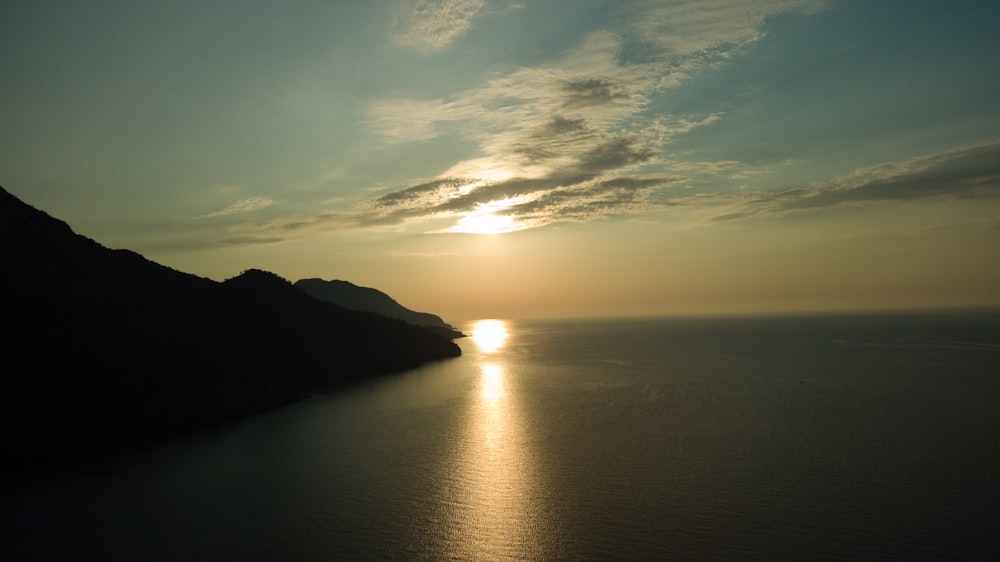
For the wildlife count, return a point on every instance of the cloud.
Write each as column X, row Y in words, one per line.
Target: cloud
column 592, row 92
column 241, row 206
column 592, row 81
column 588, row 83
column 422, row 195
column 590, row 202
column 567, row 140
column 966, row 172
column 572, row 139
column 429, row 25
column 591, row 179
column 555, row 138
column 610, row 181
column 405, row 120
column 684, row 27
column 983, row 225
column 248, row 240
column 558, row 168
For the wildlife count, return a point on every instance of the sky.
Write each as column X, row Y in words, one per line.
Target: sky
column 518, row 159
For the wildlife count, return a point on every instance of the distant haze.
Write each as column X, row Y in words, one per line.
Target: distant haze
column 491, row 158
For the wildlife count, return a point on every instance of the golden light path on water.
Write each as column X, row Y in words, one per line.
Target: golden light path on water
column 495, row 515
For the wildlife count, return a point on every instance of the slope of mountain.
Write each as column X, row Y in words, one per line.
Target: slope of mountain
column 348, row 295
column 104, row 348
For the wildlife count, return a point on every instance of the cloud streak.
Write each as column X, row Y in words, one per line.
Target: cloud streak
column 967, row 172
column 572, row 173
column 682, row 28
column 430, row 25
column 594, row 191
column 240, row 207
column 590, row 190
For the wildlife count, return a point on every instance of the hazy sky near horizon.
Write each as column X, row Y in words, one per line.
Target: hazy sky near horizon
column 499, row 158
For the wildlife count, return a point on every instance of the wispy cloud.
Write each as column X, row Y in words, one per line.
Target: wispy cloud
column 241, row 206
column 571, row 172
column 561, row 142
column 568, row 140
column 981, row 225
column 967, row 172
column 248, row 240
column 431, row 24
column 684, row 27
column 589, row 83
column 604, row 183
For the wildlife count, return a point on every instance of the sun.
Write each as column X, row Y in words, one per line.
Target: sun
column 485, row 223
column 489, row 335
column 493, row 217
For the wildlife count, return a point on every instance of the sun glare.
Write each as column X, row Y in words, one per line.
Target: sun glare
column 486, row 218
column 489, row 335
column 485, row 223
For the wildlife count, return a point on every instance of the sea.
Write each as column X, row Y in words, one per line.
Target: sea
column 809, row 437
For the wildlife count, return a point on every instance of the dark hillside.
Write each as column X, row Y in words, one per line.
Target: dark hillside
column 349, row 295
column 104, row 348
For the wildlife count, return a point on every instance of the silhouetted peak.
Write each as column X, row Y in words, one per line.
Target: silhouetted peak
column 341, row 285
column 348, row 295
column 345, row 288
column 258, row 278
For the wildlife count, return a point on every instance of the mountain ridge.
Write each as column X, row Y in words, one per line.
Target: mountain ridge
column 355, row 297
column 105, row 349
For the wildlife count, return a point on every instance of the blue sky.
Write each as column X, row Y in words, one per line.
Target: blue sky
column 517, row 158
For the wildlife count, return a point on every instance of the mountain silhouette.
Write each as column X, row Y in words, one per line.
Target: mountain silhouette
column 103, row 349
column 349, row 295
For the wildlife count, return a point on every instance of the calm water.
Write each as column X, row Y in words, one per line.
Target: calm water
column 820, row 438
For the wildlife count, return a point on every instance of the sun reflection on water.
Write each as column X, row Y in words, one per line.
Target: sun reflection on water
column 492, row 383
column 495, row 513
